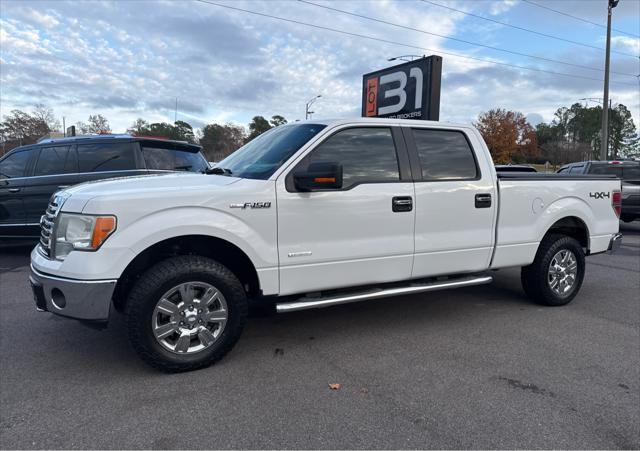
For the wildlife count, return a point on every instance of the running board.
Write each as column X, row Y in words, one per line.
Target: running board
column 309, row 303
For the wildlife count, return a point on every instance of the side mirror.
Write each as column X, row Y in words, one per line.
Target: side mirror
column 319, row 176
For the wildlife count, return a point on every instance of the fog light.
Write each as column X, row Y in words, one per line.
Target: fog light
column 58, row 299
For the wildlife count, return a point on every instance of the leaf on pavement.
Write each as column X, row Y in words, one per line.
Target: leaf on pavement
column 335, row 386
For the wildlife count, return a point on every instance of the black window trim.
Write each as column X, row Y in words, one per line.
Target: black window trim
column 416, row 165
column 402, row 156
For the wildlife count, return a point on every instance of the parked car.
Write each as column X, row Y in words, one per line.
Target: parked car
column 515, row 168
column 308, row 215
column 626, row 170
column 29, row 175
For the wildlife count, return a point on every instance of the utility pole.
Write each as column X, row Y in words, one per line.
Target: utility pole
column 604, row 141
column 64, row 126
column 175, row 114
column 308, row 113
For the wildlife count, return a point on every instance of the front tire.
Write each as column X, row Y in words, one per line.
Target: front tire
column 556, row 274
column 185, row 313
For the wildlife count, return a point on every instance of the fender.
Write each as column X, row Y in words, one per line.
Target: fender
column 258, row 245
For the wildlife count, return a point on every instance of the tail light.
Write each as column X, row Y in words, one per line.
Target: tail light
column 616, row 202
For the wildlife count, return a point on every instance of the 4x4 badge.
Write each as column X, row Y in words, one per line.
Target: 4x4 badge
column 600, row 195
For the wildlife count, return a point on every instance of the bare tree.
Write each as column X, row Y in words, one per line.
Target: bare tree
column 97, row 124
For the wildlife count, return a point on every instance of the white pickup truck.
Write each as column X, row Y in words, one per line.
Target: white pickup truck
column 308, row 215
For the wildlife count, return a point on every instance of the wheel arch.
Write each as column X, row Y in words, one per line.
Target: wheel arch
column 572, row 226
column 223, row 251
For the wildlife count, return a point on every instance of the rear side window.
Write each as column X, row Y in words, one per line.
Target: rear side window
column 606, row 169
column 367, row 155
column 56, row 160
column 15, row 164
column 106, row 157
column 445, row 155
column 173, row 159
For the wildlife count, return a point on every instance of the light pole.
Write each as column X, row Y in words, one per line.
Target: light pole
column 405, row 57
column 605, row 111
column 308, row 113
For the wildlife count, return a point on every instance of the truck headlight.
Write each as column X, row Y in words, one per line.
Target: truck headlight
column 81, row 232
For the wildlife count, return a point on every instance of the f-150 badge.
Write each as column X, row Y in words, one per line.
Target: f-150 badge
column 251, row 205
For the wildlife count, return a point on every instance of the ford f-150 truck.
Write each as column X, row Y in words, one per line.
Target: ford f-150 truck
column 309, row 215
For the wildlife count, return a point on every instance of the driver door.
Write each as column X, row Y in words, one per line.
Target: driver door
column 13, row 172
column 361, row 233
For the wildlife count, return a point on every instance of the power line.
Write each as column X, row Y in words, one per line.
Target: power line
column 528, row 30
column 386, row 41
column 464, row 41
column 578, row 18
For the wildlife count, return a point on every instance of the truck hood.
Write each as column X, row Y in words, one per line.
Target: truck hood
column 152, row 186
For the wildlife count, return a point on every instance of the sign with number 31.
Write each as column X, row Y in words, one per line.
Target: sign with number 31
column 406, row 91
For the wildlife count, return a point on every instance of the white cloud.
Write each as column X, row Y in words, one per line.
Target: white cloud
column 132, row 59
column 501, row 6
column 626, row 43
column 45, row 20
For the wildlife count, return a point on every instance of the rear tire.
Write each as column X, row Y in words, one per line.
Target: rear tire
column 185, row 313
column 556, row 274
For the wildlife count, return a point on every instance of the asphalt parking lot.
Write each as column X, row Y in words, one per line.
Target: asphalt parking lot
column 473, row 368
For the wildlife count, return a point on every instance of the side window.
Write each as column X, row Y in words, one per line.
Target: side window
column 15, row 164
column 173, row 159
column 606, row 169
column 444, row 155
column 105, row 157
column 367, row 155
column 576, row 169
column 55, row 160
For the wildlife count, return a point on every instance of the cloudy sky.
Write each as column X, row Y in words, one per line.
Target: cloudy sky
column 127, row 59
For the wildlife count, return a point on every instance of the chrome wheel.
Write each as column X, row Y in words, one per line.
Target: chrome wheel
column 563, row 272
column 189, row 317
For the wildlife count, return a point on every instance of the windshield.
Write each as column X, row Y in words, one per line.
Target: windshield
column 262, row 156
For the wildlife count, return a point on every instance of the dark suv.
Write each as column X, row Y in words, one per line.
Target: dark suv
column 628, row 171
column 29, row 175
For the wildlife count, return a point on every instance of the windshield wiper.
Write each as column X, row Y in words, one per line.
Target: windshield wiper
column 217, row 170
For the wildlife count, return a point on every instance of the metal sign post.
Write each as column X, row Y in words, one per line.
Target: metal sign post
column 407, row 91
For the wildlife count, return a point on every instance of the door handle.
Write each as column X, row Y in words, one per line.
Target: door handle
column 14, row 190
column 63, row 186
column 483, row 200
column 402, row 203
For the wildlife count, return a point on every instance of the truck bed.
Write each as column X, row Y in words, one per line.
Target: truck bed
column 530, row 203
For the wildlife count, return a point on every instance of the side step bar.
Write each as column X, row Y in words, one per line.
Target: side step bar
column 309, row 303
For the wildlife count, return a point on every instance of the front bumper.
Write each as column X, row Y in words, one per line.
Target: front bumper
column 616, row 241
column 80, row 299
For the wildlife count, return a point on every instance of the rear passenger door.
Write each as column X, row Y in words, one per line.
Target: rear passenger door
column 455, row 203
column 53, row 170
column 355, row 235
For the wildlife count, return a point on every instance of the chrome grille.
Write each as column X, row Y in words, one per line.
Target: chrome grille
column 46, row 224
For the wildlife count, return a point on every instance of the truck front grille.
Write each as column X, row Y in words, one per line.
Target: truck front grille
column 46, row 225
